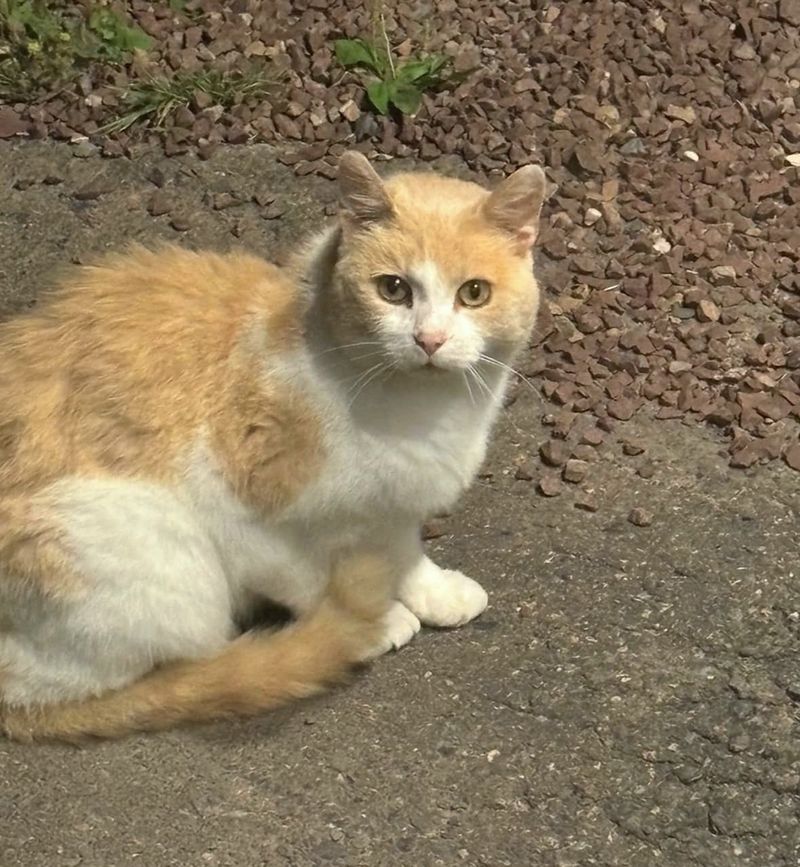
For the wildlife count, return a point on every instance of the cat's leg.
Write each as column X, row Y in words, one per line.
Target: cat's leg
column 438, row 597
column 147, row 589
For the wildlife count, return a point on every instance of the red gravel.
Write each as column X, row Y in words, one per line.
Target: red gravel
column 669, row 251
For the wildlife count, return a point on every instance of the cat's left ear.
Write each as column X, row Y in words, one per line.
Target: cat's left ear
column 515, row 204
column 363, row 194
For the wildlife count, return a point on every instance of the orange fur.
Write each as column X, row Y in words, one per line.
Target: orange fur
column 82, row 393
column 254, row 673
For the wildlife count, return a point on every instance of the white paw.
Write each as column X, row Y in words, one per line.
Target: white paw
column 400, row 627
column 442, row 597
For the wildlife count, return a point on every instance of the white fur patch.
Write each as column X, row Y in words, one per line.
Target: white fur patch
column 156, row 591
column 401, row 626
column 442, row 597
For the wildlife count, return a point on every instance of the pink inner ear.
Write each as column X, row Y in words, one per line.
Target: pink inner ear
column 526, row 236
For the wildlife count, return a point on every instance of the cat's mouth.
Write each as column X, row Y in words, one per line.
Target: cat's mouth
column 430, row 368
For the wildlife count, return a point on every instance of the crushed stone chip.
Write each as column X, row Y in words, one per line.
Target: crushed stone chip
column 647, row 470
column 707, row 311
column 549, row 486
column 792, row 456
column 592, row 437
column 575, row 471
column 632, row 448
column 640, row 517
column 622, row 409
column 95, row 188
column 586, row 501
column 525, row 472
column 554, row 453
column 160, row 203
column 180, row 223
column 434, row 529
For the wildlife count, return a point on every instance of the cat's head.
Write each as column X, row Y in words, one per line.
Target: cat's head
column 433, row 271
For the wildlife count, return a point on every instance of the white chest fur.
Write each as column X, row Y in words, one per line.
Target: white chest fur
column 409, row 446
column 399, row 454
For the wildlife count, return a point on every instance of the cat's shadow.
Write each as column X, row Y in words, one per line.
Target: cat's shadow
column 264, row 614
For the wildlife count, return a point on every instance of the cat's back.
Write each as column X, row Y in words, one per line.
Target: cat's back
column 126, row 356
column 167, row 292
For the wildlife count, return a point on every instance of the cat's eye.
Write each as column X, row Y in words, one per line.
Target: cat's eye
column 394, row 289
column 474, row 293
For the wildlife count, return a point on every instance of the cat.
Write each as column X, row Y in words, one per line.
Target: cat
column 183, row 433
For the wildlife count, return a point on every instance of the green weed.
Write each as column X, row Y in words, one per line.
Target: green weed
column 45, row 44
column 390, row 83
column 115, row 38
column 155, row 99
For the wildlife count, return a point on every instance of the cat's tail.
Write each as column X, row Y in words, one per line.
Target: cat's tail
column 254, row 673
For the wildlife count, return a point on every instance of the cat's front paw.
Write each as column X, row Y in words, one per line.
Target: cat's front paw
column 400, row 626
column 443, row 597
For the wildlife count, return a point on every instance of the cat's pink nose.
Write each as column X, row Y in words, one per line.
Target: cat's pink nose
column 430, row 341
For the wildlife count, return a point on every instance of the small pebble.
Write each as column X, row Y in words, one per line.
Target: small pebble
column 549, row 486
column 221, row 201
column 160, row 203
column 592, row 437
column 738, row 743
column 640, row 517
column 586, row 500
column 584, row 453
column 525, row 472
column 707, row 311
column 724, row 275
column 156, row 177
column 84, row 150
column 433, row 529
column 554, row 453
column 632, row 448
column 180, row 223
column 273, row 211
column 792, row 456
column 351, row 111
column 647, row 470
column 575, row 471
column 591, row 216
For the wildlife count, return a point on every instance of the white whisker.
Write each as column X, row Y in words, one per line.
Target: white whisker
column 349, row 346
column 494, row 361
column 368, row 355
column 362, row 376
column 484, row 384
column 365, row 379
column 466, row 374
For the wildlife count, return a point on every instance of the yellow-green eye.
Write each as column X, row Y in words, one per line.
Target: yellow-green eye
column 474, row 293
column 393, row 289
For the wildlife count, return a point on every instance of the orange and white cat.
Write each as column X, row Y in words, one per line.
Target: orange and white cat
column 182, row 433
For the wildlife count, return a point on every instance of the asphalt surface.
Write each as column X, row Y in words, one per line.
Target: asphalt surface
column 631, row 697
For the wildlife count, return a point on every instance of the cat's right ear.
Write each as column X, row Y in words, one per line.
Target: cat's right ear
column 515, row 204
column 363, row 195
